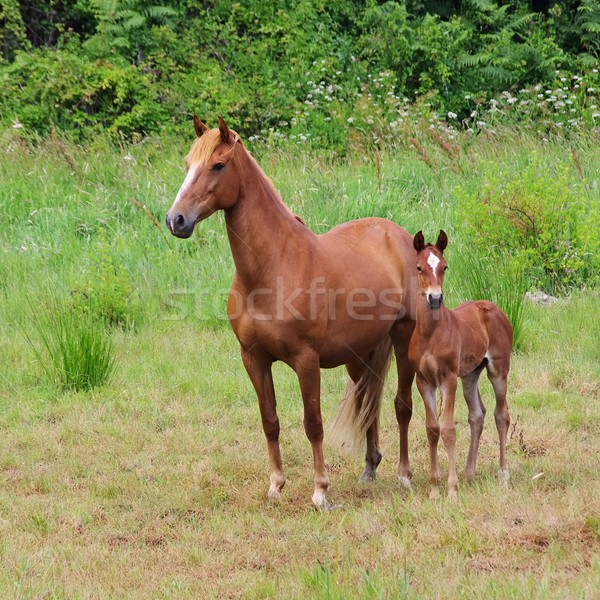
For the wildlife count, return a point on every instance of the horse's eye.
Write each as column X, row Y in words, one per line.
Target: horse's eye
column 445, row 268
column 419, row 269
column 218, row 167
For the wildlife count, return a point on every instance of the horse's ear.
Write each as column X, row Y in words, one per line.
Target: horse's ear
column 419, row 242
column 225, row 131
column 442, row 241
column 199, row 126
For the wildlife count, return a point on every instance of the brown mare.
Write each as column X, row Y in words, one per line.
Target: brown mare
column 448, row 344
column 341, row 298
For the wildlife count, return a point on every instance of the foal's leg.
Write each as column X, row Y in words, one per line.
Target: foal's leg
column 476, row 417
column 427, row 391
column 259, row 370
column 309, row 375
column 497, row 371
column 401, row 334
column 448, row 432
column 373, row 454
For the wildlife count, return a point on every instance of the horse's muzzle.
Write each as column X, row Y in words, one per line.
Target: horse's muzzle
column 435, row 301
column 179, row 227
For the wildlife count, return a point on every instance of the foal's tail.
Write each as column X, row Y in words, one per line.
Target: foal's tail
column 361, row 403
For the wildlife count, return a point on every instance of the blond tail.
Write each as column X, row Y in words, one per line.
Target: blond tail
column 361, row 402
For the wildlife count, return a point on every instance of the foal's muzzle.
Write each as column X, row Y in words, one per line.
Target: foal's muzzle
column 179, row 227
column 435, row 300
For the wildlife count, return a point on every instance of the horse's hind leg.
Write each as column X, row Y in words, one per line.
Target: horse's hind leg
column 259, row 371
column 373, row 454
column 476, row 417
column 497, row 371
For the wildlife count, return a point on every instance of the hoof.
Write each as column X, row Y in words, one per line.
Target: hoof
column 274, row 494
column 320, row 501
column 434, row 494
column 453, row 495
column 404, row 482
column 468, row 476
column 503, row 477
column 368, row 476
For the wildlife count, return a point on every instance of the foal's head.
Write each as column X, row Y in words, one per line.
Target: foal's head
column 211, row 183
column 431, row 267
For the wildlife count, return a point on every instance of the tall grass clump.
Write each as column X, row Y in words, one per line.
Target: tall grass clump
column 74, row 349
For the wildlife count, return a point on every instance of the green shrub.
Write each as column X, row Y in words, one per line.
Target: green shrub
column 43, row 89
column 103, row 290
column 544, row 218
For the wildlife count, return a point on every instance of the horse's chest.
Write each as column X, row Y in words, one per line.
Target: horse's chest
column 433, row 367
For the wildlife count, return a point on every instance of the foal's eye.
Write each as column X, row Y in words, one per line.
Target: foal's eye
column 445, row 269
column 218, row 167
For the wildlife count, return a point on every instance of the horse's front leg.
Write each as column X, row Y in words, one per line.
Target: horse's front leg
column 428, row 392
column 309, row 376
column 448, row 432
column 401, row 334
column 259, row 369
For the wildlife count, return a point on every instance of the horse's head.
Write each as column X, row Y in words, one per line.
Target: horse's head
column 211, row 183
column 431, row 267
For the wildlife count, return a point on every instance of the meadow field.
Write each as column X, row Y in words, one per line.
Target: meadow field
column 151, row 481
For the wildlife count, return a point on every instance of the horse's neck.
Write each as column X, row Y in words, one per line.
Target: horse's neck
column 259, row 226
column 429, row 321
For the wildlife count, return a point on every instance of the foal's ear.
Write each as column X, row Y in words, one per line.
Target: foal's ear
column 442, row 241
column 419, row 241
column 224, row 131
column 199, row 126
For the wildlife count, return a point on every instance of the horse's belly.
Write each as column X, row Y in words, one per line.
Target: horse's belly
column 352, row 342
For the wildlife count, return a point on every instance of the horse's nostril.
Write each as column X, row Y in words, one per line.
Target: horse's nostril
column 179, row 221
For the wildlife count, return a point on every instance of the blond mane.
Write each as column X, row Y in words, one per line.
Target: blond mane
column 203, row 148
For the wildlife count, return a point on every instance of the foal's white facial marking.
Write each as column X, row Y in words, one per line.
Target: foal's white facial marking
column 433, row 261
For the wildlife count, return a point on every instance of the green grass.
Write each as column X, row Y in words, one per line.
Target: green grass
column 73, row 349
column 154, row 484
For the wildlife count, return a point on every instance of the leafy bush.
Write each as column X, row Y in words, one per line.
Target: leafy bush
column 103, row 289
column 544, row 219
column 43, row 89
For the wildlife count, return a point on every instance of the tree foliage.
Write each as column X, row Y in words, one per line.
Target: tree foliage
column 133, row 67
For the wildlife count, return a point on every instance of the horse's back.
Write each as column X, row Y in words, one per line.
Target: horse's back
column 490, row 317
column 359, row 228
column 373, row 245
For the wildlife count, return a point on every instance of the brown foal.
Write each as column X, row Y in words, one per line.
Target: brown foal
column 342, row 298
column 447, row 344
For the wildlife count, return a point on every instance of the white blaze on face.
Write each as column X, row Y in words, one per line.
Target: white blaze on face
column 433, row 261
column 187, row 182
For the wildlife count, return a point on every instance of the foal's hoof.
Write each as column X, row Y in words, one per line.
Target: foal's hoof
column 434, row 494
column 503, row 477
column 320, row 501
column 453, row 495
column 274, row 494
column 468, row 476
column 404, row 482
